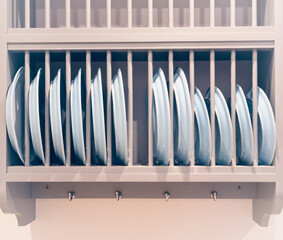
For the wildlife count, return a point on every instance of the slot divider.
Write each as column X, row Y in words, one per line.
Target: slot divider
column 109, row 113
column 108, row 13
column 254, row 89
column 47, row 121
column 27, row 13
column 130, row 14
column 150, row 13
column 130, row 108
column 68, row 120
column 88, row 13
column 171, row 13
column 150, row 79
column 27, row 130
column 192, row 90
column 233, row 104
column 192, row 13
column 212, row 13
column 68, row 13
column 233, row 12
column 212, row 105
column 47, row 13
column 171, row 81
column 88, row 109
column 254, row 13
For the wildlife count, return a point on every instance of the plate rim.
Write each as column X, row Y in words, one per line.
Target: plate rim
column 34, row 117
column 96, row 86
column 9, row 113
column 55, row 106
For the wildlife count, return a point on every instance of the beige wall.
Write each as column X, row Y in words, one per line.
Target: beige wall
column 141, row 219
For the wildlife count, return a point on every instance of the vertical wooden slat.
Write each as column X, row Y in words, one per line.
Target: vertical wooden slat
column 130, row 108
column 192, row 13
column 150, row 78
column 212, row 105
column 192, row 91
column 130, row 18
column 233, row 12
column 47, row 13
column 108, row 13
column 171, row 80
column 88, row 109
column 88, row 13
column 109, row 113
column 233, row 104
column 68, row 13
column 27, row 13
column 47, row 122
column 150, row 13
column 254, row 13
column 212, row 13
column 27, row 85
column 254, row 87
column 68, row 124
column 171, row 13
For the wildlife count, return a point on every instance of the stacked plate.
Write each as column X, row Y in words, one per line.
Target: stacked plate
column 160, row 119
column 184, row 115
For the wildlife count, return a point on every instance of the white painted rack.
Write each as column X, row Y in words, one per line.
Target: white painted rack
column 216, row 42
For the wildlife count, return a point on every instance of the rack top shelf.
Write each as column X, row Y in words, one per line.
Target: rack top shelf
column 140, row 38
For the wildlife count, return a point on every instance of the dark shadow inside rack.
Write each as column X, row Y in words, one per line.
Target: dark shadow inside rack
column 140, row 116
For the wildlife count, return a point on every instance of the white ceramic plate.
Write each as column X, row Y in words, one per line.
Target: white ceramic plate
column 77, row 118
column 161, row 119
column 56, row 117
column 183, row 141
column 34, row 117
column 202, row 130
column 244, row 131
column 119, row 116
column 15, row 127
column 223, row 129
column 98, row 118
column 266, row 127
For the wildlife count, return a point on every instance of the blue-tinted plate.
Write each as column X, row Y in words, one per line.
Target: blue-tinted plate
column 223, row 129
column 77, row 118
column 119, row 116
column 98, row 118
column 202, row 130
column 161, row 119
column 34, row 117
column 183, row 141
column 14, row 116
column 266, row 127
